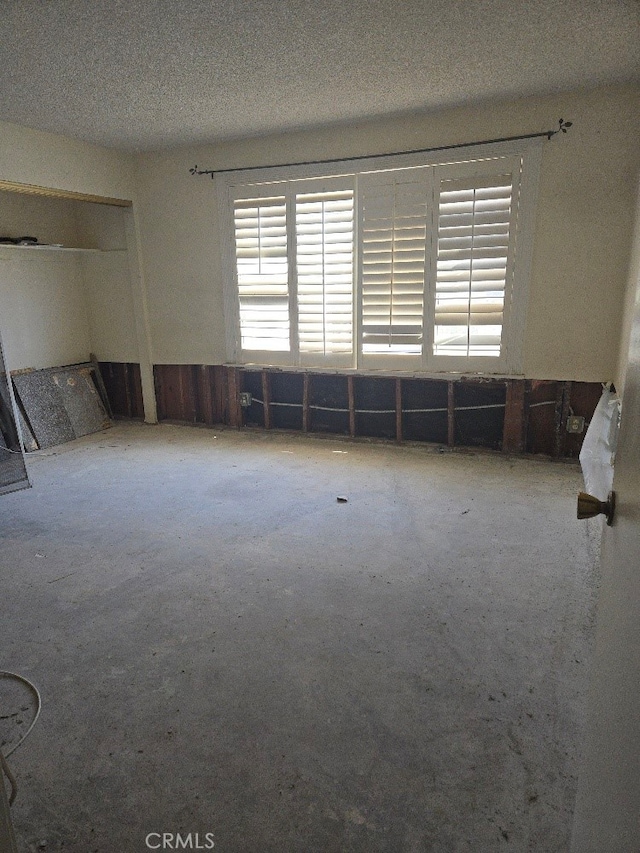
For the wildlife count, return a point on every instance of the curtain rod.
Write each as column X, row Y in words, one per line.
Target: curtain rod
column 562, row 127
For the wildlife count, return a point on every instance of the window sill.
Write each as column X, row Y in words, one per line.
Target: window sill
column 381, row 372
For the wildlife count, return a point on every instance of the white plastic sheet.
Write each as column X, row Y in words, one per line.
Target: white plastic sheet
column 599, row 447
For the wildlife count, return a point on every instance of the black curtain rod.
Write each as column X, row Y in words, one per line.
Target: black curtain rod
column 562, row 126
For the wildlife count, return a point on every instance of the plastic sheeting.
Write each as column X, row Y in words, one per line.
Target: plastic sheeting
column 599, row 446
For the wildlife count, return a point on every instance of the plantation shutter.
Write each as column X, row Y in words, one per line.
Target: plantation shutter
column 475, row 226
column 260, row 227
column 393, row 245
column 396, row 263
column 324, row 265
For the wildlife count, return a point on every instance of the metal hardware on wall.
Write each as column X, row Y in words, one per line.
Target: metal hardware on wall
column 575, row 424
column 589, row 506
column 549, row 134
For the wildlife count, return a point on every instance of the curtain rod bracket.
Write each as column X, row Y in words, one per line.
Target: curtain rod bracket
column 562, row 128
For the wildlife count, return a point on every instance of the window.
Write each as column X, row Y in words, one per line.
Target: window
column 475, row 223
column 262, row 274
column 324, row 265
column 395, row 217
column 402, row 266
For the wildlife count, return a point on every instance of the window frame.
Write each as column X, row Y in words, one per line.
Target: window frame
column 524, row 158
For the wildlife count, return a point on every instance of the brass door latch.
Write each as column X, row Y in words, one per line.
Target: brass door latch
column 588, row 506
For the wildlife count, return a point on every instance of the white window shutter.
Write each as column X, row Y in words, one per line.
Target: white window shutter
column 397, row 264
column 260, row 227
column 324, row 266
column 475, row 228
column 393, row 239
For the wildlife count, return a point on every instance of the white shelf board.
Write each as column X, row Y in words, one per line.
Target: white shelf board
column 44, row 248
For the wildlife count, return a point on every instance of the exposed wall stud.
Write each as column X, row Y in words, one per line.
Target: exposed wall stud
column 451, row 423
column 398, row 409
column 563, row 401
column 205, row 388
column 235, row 411
column 513, row 434
column 266, row 396
column 127, row 391
column 305, row 403
column 210, row 394
column 352, row 407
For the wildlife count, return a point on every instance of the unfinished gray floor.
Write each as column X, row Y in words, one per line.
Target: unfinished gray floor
column 224, row 648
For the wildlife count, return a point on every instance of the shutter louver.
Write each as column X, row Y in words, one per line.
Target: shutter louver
column 394, row 230
column 324, row 265
column 262, row 268
column 474, row 225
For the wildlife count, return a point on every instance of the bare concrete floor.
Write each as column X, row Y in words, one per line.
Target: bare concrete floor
column 224, row 648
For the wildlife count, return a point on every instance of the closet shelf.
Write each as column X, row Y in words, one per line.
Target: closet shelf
column 45, row 248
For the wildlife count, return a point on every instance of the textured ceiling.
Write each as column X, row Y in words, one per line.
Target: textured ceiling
column 138, row 74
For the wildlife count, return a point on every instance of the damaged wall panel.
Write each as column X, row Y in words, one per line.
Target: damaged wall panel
column 254, row 413
column 123, row 385
column 583, row 399
column 510, row 415
column 59, row 404
column 375, row 407
column 479, row 413
column 425, row 410
column 513, row 435
column 329, row 404
column 287, row 400
column 541, row 402
column 44, row 408
column 81, row 400
column 177, row 392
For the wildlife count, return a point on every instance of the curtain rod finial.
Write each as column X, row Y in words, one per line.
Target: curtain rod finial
column 562, row 126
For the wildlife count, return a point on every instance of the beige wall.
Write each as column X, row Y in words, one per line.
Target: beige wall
column 607, row 812
column 180, row 248
column 110, row 307
column 45, row 159
column 583, row 224
column 631, row 295
column 44, row 320
column 583, row 238
column 57, row 307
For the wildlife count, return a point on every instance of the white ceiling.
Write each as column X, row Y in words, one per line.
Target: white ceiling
column 139, row 74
